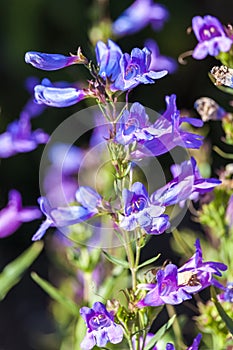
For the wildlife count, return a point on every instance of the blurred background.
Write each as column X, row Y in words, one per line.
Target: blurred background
column 59, row 26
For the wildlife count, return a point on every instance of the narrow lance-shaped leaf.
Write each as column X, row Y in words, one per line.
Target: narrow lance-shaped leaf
column 56, row 294
column 228, row 321
column 12, row 273
column 116, row 261
column 148, row 262
column 159, row 334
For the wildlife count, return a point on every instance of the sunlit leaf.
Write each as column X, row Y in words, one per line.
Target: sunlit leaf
column 228, row 321
column 116, row 261
column 56, row 294
column 13, row 272
column 148, row 262
column 159, row 334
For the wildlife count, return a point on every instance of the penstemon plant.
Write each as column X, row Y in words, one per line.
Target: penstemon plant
column 112, row 297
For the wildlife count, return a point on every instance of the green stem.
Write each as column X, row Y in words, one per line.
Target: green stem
column 176, row 327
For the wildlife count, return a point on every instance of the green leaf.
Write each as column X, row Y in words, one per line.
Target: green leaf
column 12, row 273
column 148, row 262
column 180, row 241
column 116, row 261
column 159, row 334
column 228, row 321
column 56, row 294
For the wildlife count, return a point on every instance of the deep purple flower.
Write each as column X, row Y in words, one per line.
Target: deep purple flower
column 53, row 96
column 168, row 132
column 19, row 138
column 160, row 137
column 211, row 36
column 61, row 217
column 139, row 15
column 101, row 327
column 140, row 212
column 108, row 58
column 229, row 212
column 50, row 61
column 135, row 70
column 177, row 285
column 14, row 214
column 160, row 62
column 186, row 184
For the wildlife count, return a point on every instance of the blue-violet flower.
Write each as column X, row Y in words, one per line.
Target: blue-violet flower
column 14, row 214
column 211, row 36
column 139, row 15
column 101, row 327
column 140, row 212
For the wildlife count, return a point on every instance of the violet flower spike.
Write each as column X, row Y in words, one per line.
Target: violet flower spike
column 62, row 217
column 108, row 58
column 58, row 96
column 211, row 37
column 135, row 70
column 139, row 15
column 186, row 184
column 18, row 138
column 50, row 61
column 14, row 214
column 101, row 327
column 194, row 345
column 177, row 285
column 140, row 212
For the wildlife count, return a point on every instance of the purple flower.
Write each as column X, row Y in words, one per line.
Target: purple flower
column 140, row 212
column 108, row 58
column 211, row 36
column 160, row 62
column 13, row 215
column 19, row 138
column 101, row 327
column 139, row 15
column 61, row 217
column 160, row 137
column 177, row 285
column 186, row 184
column 53, row 96
column 194, row 345
column 228, row 293
column 134, row 70
column 50, row 61
column 229, row 212
column 168, row 133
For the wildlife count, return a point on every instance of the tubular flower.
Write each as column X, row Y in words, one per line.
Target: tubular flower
column 52, row 61
column 177, row 285
column 108, row 58
column 18, row 138
column 140, row 212
column 186, row 184
column 101, row 327
column 47, row 94
column 134, row 70
column 139, row 15
column 89, row 199
column 160, row 137
column 14, row 215
column 211, row 37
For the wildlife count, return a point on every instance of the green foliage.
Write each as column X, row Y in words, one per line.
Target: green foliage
column 13, row 272
column 56, row 294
